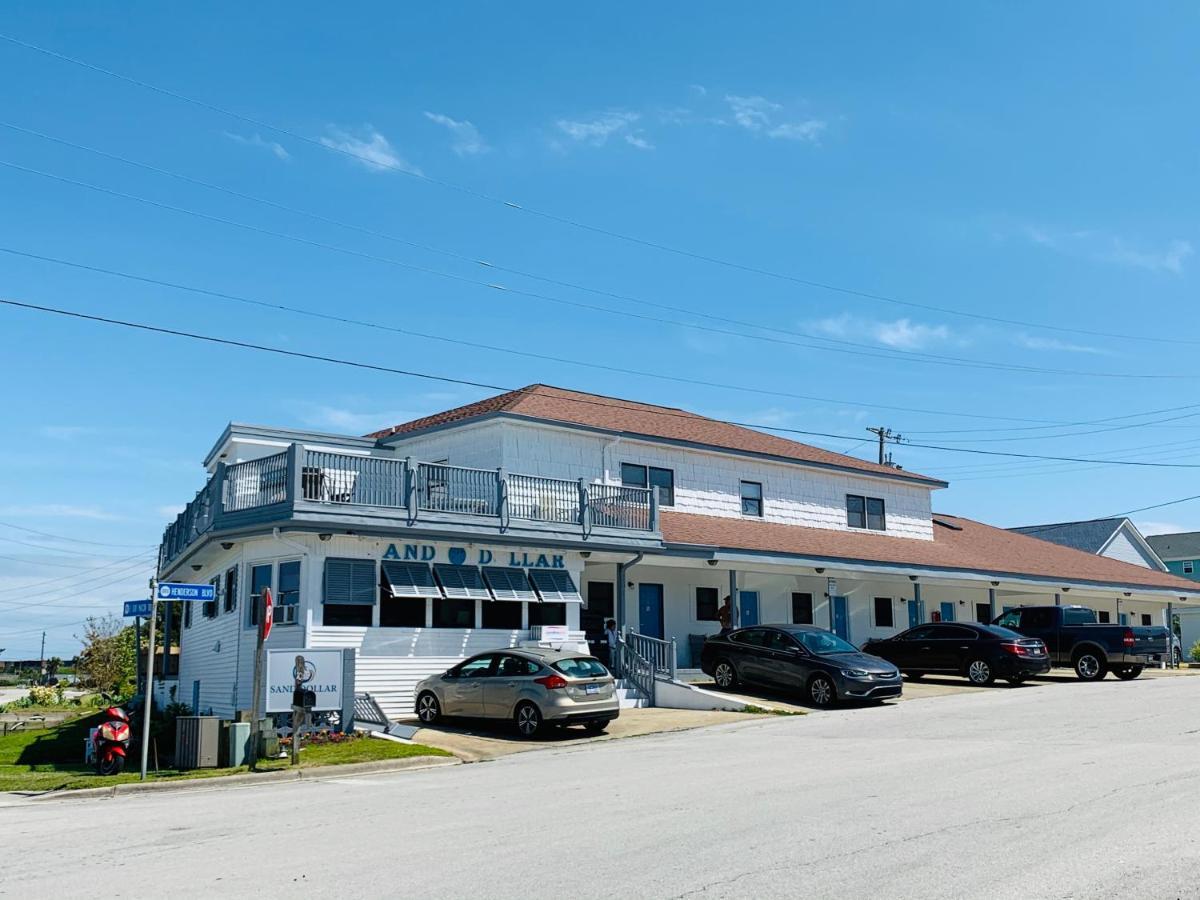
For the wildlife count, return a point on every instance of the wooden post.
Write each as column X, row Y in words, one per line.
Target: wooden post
column 259, row 674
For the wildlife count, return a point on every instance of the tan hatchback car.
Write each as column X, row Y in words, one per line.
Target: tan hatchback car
column 530, row 687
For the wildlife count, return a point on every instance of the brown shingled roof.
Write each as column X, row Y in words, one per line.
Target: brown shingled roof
column 540, row 401
column 959, row 543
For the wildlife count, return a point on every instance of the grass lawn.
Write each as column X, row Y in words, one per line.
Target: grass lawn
column 52, row 759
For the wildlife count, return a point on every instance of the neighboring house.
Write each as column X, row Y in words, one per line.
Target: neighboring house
column 1181, row 553
column 1116, row 538
column 475, row 528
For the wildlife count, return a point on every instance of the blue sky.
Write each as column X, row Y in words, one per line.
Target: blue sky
column 1022, row 161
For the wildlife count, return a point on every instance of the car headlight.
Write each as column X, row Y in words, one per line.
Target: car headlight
column 856, row 673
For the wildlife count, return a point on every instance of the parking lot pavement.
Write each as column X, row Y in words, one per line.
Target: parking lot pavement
column 476, row 740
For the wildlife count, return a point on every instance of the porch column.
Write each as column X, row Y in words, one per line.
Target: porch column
column 920, row 603
column 991, row 603
column 1057, row 599
column 735, row 604
column 1171, row 636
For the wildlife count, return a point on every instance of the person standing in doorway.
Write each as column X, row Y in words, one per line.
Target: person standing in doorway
column 612, row 640
column 725, row 616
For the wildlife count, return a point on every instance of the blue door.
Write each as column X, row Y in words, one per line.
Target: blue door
column 841, row 622
column 947, row 612
column 650, row 610
column 747, row 608
column 1124, row 618
column 914, row 614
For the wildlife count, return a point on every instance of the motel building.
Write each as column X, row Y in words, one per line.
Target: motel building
column 476, row 528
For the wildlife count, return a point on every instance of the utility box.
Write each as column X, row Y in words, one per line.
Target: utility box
column 197, row 742
column 239, row 743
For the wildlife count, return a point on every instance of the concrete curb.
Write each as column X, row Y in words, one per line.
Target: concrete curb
column 250, row 778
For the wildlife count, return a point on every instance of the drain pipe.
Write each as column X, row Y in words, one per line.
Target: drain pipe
column 622, row 568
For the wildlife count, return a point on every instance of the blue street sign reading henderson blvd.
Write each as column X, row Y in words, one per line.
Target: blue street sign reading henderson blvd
column 137, row 608
column 195, row 593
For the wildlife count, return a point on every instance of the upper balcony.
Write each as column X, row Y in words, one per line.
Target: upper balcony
column 341, row 489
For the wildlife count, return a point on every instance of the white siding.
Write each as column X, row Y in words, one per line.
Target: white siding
column 1124, row 548
column 476, row 446
column 709, row 482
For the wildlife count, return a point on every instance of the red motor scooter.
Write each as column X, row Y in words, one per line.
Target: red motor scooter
column 110, row 742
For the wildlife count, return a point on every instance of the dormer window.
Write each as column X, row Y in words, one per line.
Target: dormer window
column 865, row 512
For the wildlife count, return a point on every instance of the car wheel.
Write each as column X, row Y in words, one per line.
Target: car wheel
column 428, row 708
column 725, row 675
column 821, row 691
column 915, row 676
column 1128, row 673
column 528, row 719
column 595, row 727
column 1090, row 666
column 979, row 671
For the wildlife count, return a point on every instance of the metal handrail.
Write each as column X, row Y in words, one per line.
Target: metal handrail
column 635, row 668
column 358, row 480
column 620, row 506
column 658, row 653
column 543, row 499
column 256, row 482
column 443, row 488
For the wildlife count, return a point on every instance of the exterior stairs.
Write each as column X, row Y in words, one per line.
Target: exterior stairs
column 630, row 696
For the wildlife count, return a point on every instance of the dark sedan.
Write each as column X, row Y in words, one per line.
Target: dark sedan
column 799, row 658
column 981, row 653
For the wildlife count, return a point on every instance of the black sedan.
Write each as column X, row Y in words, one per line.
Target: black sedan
column 981, row 653
column 799, row 658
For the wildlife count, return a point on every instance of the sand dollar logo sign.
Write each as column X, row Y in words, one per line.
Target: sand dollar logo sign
column 458, row 556
column 303, row 671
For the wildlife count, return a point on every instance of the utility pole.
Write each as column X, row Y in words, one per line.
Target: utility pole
column 885, row 435
column 43, row 657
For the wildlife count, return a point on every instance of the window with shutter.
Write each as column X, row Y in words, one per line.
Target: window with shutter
column 554, row 586
column 350, row 592
column 461, row 582
column 509, row 584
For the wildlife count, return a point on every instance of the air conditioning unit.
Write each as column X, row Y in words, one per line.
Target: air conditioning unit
column 197, row 742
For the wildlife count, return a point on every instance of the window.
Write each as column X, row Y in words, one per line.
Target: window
column 865, row 512
column 403, row 588
column 1146, row 619
column 755, row 637
column 663, row 480
column 260, row 579
column 1038, row 617
column 453, row 612
column 802, row 609
column 883, row 613
column 480, row 667
column 957, row 633
column 983, row 613
column 516, row 667
column 350, row 592
column 752, row 503
column 1105, row 617
column 211, row 606
column 1011, row 618
column 777, row 640
column 287, row 604
column 581, row 667
column 231, row 589
column 503, row 614
column 1188, row 566
column 922, row 633
column 706, row 604
column 547, row 614
column 187, row 615
column 601, row 606
column 1078, row 616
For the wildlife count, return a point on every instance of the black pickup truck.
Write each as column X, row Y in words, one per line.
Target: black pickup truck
column 1075, row 640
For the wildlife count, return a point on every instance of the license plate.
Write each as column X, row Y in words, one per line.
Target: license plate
column 591, row 688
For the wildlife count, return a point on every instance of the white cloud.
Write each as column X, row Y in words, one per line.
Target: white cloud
column 638, row 141
column 901, row 334
column 66, row 432
column 1148, row 528
column 171, row 511
column 256, row 140
column 1044, row 343
column 59, row 511
column 1113, row 249
column 597, row 131
column 352, row 421
column 760, row 115
column 372, row 150
column 467, row 140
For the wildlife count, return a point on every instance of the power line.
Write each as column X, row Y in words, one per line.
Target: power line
column 54, row 549
column 1130, row 512
column 364, row 323
column 146, row 555
column 839, row 345
column 574, row 223
column 63, row 537
column 374, row 367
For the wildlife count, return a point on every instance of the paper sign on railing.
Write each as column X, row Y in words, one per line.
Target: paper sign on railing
column 555, row 634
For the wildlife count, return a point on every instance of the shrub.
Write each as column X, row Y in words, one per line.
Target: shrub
column 43, row 696
column 1195, row 651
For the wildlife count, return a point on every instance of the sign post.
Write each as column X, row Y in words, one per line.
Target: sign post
column 193, row 593
column 265, row 619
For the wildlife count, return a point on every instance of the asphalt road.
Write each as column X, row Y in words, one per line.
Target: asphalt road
column 1066, row 791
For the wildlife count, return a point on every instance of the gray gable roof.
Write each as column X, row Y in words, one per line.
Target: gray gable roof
column 1185, row 545
column 1090, row 536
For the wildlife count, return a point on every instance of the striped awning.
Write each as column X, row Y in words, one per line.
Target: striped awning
column 554, row 586
column 409, row 579
column 461, row 582
column 508, row 584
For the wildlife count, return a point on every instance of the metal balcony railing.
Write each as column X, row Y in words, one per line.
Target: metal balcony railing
column 272, row 487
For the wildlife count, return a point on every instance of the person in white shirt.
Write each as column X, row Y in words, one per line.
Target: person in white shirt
column 612, row 640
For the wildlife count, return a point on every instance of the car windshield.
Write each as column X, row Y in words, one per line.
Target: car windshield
column 823, row 643
column 581, row 667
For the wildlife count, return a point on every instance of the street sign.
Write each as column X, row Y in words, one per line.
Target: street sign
column 137, row 608
column 194, row 593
